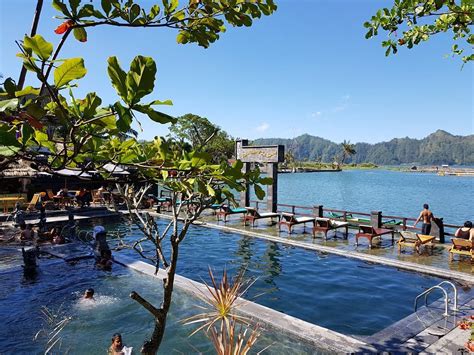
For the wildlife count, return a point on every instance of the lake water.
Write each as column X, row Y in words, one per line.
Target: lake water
column 393, row 193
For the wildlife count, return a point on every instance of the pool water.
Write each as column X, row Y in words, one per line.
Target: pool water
column 59, row 286
column 346, row 295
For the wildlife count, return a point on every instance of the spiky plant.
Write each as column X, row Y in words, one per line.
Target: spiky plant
column 226, row 329
column 53, row 325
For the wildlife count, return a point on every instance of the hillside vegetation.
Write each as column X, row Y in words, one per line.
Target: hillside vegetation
column 438, row 148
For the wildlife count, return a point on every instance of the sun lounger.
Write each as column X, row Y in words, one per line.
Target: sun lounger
column 227, row 210
column 370, row 233
column 391, row 223
column 324, row 225
column 414, row 240
column 461, row 247
column 34, row 201
column 289, row 220
column 252, row 215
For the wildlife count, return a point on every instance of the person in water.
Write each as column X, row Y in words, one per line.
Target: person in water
column 89, row 294
column 100, row 241
column 426, row 216
column 117, row 347
column 105, row 261
column 465, row 232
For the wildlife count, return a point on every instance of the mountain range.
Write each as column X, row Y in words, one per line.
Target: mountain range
column 438, row 148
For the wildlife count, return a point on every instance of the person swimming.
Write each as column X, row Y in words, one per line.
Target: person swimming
column 89, row 294
column 117, row 347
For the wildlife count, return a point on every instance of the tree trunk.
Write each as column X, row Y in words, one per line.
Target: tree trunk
column 151, row 346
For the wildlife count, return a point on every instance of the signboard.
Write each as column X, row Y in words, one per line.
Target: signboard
column 259, row 154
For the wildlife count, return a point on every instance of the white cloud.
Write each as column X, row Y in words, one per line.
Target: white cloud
column 316, row 114
column 263, row 127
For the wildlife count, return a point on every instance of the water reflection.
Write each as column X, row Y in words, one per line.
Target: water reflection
column 271, row 265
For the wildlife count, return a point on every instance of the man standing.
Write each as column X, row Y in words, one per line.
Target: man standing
column 427, row 216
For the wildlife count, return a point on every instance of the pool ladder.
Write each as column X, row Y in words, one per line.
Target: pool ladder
column 446, row 299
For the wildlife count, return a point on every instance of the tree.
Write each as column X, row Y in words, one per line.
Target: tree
column 195, row 130
column 348, row 150
column 49, row 126
column 418, row 20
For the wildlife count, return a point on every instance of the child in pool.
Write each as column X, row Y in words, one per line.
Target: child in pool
column 117, row 347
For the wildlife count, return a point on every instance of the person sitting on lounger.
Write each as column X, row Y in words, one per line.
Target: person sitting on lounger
column 465, row 232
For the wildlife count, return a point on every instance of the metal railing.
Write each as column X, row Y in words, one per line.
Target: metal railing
column 446, row 299
column 449, row 229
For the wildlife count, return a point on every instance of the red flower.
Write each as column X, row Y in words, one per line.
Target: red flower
column 64, row 27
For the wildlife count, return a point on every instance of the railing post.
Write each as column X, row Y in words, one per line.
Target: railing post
column 318, row 210
column 256, row 205
column 404, row 224
column 344, row 215
column 437, row 229
column 293, row 209
column 376, row 219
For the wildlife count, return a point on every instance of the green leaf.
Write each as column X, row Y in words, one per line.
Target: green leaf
column 8, row 136
column 106, row 6
column 7, row 151
column 26, row 133
column 125, row 117
column 158, row 102
column 74, row 5
column 61, row 7
column 89, row 105
column 259, row 192
column 80, row 34
column 39, row 46
column 211, row 191
column 9, row 104
column 155, row 115
column 71, row 69
column 154, row 11
column 29, row 90
column 266, row 181
column 118, row 77
column 141, row 78
column 134, row 12
column 43, row 140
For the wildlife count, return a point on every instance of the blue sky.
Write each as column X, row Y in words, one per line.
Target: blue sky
column 305, row 69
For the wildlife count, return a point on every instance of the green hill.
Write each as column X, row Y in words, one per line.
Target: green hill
column 438, row 148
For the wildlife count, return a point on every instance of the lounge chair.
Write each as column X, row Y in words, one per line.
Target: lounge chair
column 414, row 240
column 227, row 210
column 34, row 201
column 461, row 247
column 252, row 215
column 370, row 233
column 289, row 220
column 391, row 223
column 324, row 225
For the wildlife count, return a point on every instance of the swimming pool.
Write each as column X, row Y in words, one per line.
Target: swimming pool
column 346, row 295
column 89, row 332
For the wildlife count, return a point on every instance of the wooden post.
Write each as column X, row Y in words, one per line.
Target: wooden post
column 245, row 195
column 376, row 219
column 318, row 210
column 272, row 190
